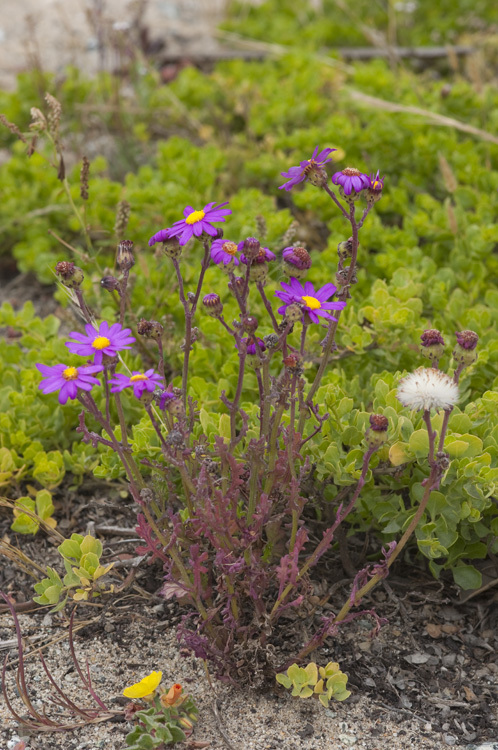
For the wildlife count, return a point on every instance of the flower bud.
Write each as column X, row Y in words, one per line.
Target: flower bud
column 172, row 247
column 376, row 434
column 432, row 344
column 150, row 329
column 124, row 257
column 110, row 283
column 293, row 313
column 213, row 305
column 175, row 407
column 249, row 323
column 250, row 247
column 296, row 261
column 71, row 276
column 464, row 351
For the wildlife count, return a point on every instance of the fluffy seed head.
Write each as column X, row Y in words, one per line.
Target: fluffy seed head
column 428, row 388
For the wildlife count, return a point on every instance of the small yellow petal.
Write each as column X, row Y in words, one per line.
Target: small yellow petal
column 146, row 686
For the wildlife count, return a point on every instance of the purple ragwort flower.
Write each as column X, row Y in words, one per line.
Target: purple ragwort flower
column 351, row 179
column 67, row 379
column 312, row 302
column 194, row 224
column 139, row 381
column 166, row 397
column 251, row 346
column 295, row 175
column 224, row 252
column 105, row 340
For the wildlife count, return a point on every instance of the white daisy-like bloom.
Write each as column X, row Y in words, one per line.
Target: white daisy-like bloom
column 427, row 389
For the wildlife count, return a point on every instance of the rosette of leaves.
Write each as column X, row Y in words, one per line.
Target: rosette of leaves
column 305, row 682
column 81, row 556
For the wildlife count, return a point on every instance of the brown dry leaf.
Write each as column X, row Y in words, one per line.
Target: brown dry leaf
column 433, row 629
column 469, row 694
column 450, row 629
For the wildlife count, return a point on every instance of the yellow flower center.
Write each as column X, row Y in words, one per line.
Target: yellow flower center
column 134, row 378
column 194, row 217
column 230, row 248
column 312, row 302
column 70, row 373
column 101, row 342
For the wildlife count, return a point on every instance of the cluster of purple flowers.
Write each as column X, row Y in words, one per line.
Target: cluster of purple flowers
column 106, row 340
column 350, row 179
column 309, row 303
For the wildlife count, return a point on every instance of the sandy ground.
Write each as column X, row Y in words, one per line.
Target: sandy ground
column 122, row 653
column 55, row 33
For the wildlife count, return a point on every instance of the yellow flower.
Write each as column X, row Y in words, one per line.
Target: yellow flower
column 144, row 687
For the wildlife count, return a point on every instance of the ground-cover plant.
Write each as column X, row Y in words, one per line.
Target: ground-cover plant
column 228, row 519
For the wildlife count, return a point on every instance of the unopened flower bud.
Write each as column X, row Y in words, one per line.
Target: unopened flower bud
column 432, row 344
column 185, row 723
column 71, row 276
column 297, row 261
column 172, row 247
column 150, row 329
column 345, row 249
column 175, row 407
column 124, row 256
column 250, row 247
column 376, row 434
column 293, row 313
column 213, row 304
column 110, row 283
column 249, row 323
column 464, row 351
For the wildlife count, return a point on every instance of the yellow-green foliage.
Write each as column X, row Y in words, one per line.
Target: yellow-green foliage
column 324, row 682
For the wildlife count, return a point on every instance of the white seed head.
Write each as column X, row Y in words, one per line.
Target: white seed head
column 427, row 389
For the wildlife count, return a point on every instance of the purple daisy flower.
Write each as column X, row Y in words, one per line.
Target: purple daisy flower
column 313, row 302
column 295, row 175
column 139, row 381
column 67, row 379
column 105, row 340
column 351, row 179
column 251, row 347
column 194, row 224
column 224, row 252
column 165, row 398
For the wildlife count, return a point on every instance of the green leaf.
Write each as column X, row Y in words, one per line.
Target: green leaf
column 467, row 577
column 419, row 443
